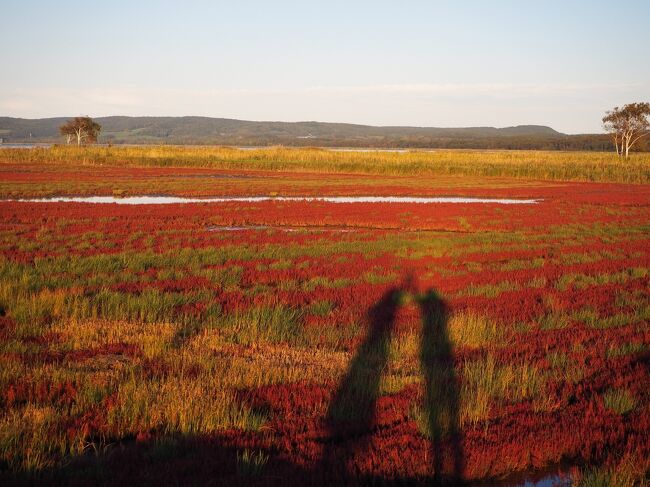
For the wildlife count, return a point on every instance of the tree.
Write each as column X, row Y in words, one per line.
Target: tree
column 84, row 129
column 627, row 125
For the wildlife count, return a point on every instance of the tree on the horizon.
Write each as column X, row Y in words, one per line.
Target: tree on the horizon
column 627, row 125
column 84, row 129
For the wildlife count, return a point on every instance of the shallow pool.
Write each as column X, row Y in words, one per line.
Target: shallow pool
column 169, row 200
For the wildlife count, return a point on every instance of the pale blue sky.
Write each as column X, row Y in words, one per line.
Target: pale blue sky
column 433, row 63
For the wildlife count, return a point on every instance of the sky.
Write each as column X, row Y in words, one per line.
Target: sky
column 419, row 63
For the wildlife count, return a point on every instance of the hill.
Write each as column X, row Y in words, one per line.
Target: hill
column 206, row 130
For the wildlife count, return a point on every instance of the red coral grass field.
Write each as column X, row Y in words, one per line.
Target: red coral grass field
column 319, row 343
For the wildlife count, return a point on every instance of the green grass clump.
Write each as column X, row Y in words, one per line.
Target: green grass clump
column 625, row 349
column 583, row 281
column 485, row 383
column 553, row 321
column 474, row 330
column 593, row 319
column 620, row 401
column 627, row 473
column 179, row 403
column 251, row 463
column 321, row 308
column 557, row 359
column 488, row 290
column 264, row 324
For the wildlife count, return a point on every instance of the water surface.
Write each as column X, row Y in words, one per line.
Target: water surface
column 169, row 200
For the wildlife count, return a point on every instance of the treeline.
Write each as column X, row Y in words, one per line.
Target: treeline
column 564, row 143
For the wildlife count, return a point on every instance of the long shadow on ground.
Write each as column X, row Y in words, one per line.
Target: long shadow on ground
column 350, row 424
column 352, row 413
column 442, row 395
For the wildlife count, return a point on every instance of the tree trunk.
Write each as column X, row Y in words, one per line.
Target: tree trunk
column 637, row 138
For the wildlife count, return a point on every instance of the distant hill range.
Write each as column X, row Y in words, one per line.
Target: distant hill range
column 224, row 131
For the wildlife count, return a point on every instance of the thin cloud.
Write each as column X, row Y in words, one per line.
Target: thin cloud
column 533, row 89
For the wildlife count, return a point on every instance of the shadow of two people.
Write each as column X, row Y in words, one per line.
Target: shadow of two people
column 351, row 415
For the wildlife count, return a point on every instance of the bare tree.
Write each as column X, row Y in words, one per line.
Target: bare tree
column 84, row 129
column 627, row 125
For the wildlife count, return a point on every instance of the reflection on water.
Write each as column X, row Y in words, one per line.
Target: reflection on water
column 168, row 200
column 558, row 476
column 26, row 145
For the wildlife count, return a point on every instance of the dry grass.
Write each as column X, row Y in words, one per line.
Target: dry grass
column 582, row 166
column 628, row 472
column 473, row 330
column 486, row 383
